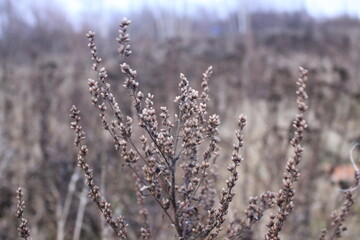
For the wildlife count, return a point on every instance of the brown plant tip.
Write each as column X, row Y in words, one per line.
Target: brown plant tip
column 338, row 219
column 23, row 229
column 286, row 195
column 218, row 216
column 119, row 225
column 239, row 228
column 96, row 60
column 123, row 38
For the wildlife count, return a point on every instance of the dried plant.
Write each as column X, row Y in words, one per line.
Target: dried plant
column 118, row 225
column 240, row 228
column 173, row 157
column 175, row 163
column 285, row 196
column 168, row 149
column 338, row 219
column 23, row 229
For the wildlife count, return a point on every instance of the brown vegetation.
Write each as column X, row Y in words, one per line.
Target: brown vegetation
column 252, row 73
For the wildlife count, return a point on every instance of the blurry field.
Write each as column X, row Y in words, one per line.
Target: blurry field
column 44, row 67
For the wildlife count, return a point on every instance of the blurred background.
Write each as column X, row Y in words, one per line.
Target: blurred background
column 255, row 48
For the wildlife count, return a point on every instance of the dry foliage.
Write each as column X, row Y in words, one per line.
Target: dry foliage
column 173, row 160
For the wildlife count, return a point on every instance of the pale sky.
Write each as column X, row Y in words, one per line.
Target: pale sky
column 314, row 7
column 220, row 8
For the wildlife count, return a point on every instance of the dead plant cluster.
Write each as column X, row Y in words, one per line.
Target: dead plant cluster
column 173, row 159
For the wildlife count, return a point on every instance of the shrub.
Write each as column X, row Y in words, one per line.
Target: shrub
column 173, row 160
